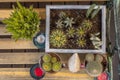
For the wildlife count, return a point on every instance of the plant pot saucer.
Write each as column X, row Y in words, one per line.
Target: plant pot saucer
column 39, row 40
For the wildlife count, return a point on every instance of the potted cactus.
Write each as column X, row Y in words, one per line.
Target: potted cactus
column 51, row 62
column 75, row 29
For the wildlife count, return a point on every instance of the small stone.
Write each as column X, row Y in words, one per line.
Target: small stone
column 74, row 63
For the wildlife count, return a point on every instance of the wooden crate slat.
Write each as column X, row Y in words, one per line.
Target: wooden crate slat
column 3, row 31
column 20, row 58
column 7, row 43
column 5, row 13
column 23, row 74
column 47, row 0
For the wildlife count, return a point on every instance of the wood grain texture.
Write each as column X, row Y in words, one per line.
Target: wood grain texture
column 5, row 13
column 47, row 0
column 7, row 43
column 23, row 74
column 20, row 58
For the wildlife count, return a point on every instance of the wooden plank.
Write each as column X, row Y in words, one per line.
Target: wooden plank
column 23, row 74
column 20, row 58
column 5, row 13
column 20, row 44
column 47, row 0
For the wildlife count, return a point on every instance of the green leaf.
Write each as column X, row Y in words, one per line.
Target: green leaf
column 91, row 8
column 95, row 12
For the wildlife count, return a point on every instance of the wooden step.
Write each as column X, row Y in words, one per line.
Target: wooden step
column 5, row 13
column 47, row 0
column 23, row 74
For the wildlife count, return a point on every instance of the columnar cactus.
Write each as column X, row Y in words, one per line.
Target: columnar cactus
column 58, row 38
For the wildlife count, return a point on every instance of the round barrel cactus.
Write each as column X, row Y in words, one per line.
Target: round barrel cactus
column 46, row 58
column 94, row 68
column 89, row 57
column 99, row 58
column 57, row 66
column 47, row 66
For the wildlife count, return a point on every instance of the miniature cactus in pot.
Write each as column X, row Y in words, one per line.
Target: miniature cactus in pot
column 47, row 66
column 53, row 59
column 58, row 38
column 56, row 66
column 46, row 58
column 89, row 57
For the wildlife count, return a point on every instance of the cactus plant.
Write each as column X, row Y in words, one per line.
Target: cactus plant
column 80, row 32
column 57, row 66
column 47, row 66
column 69, row 22
column 99, row 58
column 59, row 24
column 91, row 8
column 94, row 68
column 89, row 57
column 46, row 58
column 58, row 38
column 81, row 42
column 70, row 32
column 87, row 25
column 62, row 15
column 53, row 59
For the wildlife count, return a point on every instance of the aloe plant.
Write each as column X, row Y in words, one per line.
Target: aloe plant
column 23, row 22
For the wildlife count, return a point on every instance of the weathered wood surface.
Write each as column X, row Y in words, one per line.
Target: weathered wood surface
column 47, row 0
column 23, row 74
column 5, row 13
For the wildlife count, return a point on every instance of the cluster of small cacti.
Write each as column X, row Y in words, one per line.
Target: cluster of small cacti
column 94, row 66
column 58, row 38
column 51, row 63
column 80, row 32
column 96, row 40
column 70, row 32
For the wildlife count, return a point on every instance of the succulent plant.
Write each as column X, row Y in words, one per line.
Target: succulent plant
column 89, row 57
column 57, row 66
column 53, row 59
column 81, row 42
column 69, row 22
column 96, row 40
column 70, row 32
column 94, row 68
column 89, row 11
column 95, row 12
column 99, row 58
column 80, row 32
column 87, row 25
column 62, row 15
column 47, row 66
column 58, row 38
column 23, row 23
column 59, row 24
column 46, row 58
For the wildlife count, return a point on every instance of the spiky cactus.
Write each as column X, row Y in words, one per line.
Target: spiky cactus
column 54, row 59
column 87, row 25
column 47, row 66
column 59, row 24
column 80, row 32
column 58, row 38
column 70, row 32
column 62, row 15
column 94, row 68
column 99, row 58
column 46, row 58
column 89, row 57
column 57, row 66
column 69, row 22
column 81, row 42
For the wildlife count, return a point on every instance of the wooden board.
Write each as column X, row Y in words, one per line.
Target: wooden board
column 20, row 44
column 23, row 74
column 5, row 13
column 47, row 0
